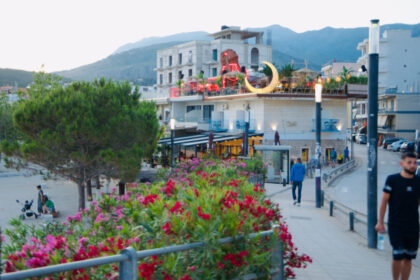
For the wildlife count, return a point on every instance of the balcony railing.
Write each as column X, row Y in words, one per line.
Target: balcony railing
column 176, row 92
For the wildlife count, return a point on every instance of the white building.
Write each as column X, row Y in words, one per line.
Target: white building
column 187, row 60
column 399, row 114
column 399, row 61
column 334, row 69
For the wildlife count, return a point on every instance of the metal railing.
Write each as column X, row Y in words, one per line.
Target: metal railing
column 330, row 176
column 129, row 257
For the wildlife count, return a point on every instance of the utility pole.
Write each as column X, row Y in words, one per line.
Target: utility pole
column 318, row 99
column 372, row 190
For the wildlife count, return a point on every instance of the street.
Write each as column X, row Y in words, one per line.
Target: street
column 351, row 189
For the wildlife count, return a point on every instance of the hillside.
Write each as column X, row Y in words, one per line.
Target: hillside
column 180, row 37
column 135, row 61
column 12, row 76
column 135, row 65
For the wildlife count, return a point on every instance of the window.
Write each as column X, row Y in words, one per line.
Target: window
column 161, row 79
column 255, row 60
column 170, row 60
column 215, row 54
column 214, row 72
column 190, row 73
column 207, row 109
column 363, row 109
column 170, row 78
column 160, row 62
column 180, row 58
column 193, row 108
column 190, row 57
column 180, row 75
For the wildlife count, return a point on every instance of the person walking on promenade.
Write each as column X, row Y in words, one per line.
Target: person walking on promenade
column 333, row 157
column 346, row 154
column 402, row 194
column 40, row 199
column 297, row 174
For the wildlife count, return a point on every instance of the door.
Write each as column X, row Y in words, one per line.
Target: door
column 305, row 155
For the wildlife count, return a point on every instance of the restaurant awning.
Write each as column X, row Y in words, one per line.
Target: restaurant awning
column 199, row 139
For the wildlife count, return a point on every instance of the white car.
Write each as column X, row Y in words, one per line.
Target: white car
column 396, row 145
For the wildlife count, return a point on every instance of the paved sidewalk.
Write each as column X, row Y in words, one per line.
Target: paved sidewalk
column 336, row 252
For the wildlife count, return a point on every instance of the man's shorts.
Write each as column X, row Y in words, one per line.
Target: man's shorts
column 404, row 242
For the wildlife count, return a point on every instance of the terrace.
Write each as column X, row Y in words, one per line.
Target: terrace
column 212, row 91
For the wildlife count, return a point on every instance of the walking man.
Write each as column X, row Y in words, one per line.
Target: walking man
column 333, row 157
column 346, row 154
column 297, row 174
column 402, row 194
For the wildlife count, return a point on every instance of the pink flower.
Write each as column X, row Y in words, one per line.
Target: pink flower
column 119, row 227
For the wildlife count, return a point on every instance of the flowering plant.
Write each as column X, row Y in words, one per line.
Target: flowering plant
column 202, row 200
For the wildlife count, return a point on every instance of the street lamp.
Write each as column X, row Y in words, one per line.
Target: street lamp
column 247, row 121
column 172, row 125
column 318, row 100
column 372, row 190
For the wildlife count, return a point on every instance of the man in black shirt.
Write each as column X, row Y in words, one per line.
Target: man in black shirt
column 402, row 193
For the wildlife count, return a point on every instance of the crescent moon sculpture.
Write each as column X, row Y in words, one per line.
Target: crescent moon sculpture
column 268, row 89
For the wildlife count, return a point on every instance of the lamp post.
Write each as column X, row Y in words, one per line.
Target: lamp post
column 372, row 180
column 172, row 124
column 318, row 99
column 247, row 132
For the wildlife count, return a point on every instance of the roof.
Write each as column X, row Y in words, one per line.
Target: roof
column 305, row 70
column 245, row 34
column 203, row 138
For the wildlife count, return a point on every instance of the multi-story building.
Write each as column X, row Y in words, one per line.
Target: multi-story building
column 399, row 114
column 335, row 69
column 399, row 61
column 184, row 61
column 399, row 84
column 288, row 112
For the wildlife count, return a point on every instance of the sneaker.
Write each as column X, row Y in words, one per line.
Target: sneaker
column 294, row 202
column 298, row 204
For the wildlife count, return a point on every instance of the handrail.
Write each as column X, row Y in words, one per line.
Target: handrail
column 330, row 176
column 128, row 259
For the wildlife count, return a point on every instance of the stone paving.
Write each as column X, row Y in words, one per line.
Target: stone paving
column 337, row 253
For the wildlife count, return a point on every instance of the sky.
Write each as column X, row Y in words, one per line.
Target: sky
column 62, row 34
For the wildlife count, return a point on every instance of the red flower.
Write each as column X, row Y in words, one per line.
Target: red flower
column 177, row 208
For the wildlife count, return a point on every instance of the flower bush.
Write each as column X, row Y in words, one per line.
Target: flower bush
column 202, row 200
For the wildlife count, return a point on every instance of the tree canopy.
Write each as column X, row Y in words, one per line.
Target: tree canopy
column 84, row 129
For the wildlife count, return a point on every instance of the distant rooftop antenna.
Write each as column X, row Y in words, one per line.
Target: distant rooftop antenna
column 269, row 40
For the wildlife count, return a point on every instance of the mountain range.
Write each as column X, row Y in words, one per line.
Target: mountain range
column 135, row 61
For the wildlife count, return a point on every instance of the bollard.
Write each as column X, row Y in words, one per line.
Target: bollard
column 351, row 220
column 331, row 208
column 128, row 269
column 322, row 198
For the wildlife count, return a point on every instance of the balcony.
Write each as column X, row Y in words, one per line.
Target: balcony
column 384, row 111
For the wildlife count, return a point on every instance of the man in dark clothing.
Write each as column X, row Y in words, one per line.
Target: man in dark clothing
column 346, row 154
column 40, row 199
column 333, row 157
column 297, row 174
column 402, row 193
